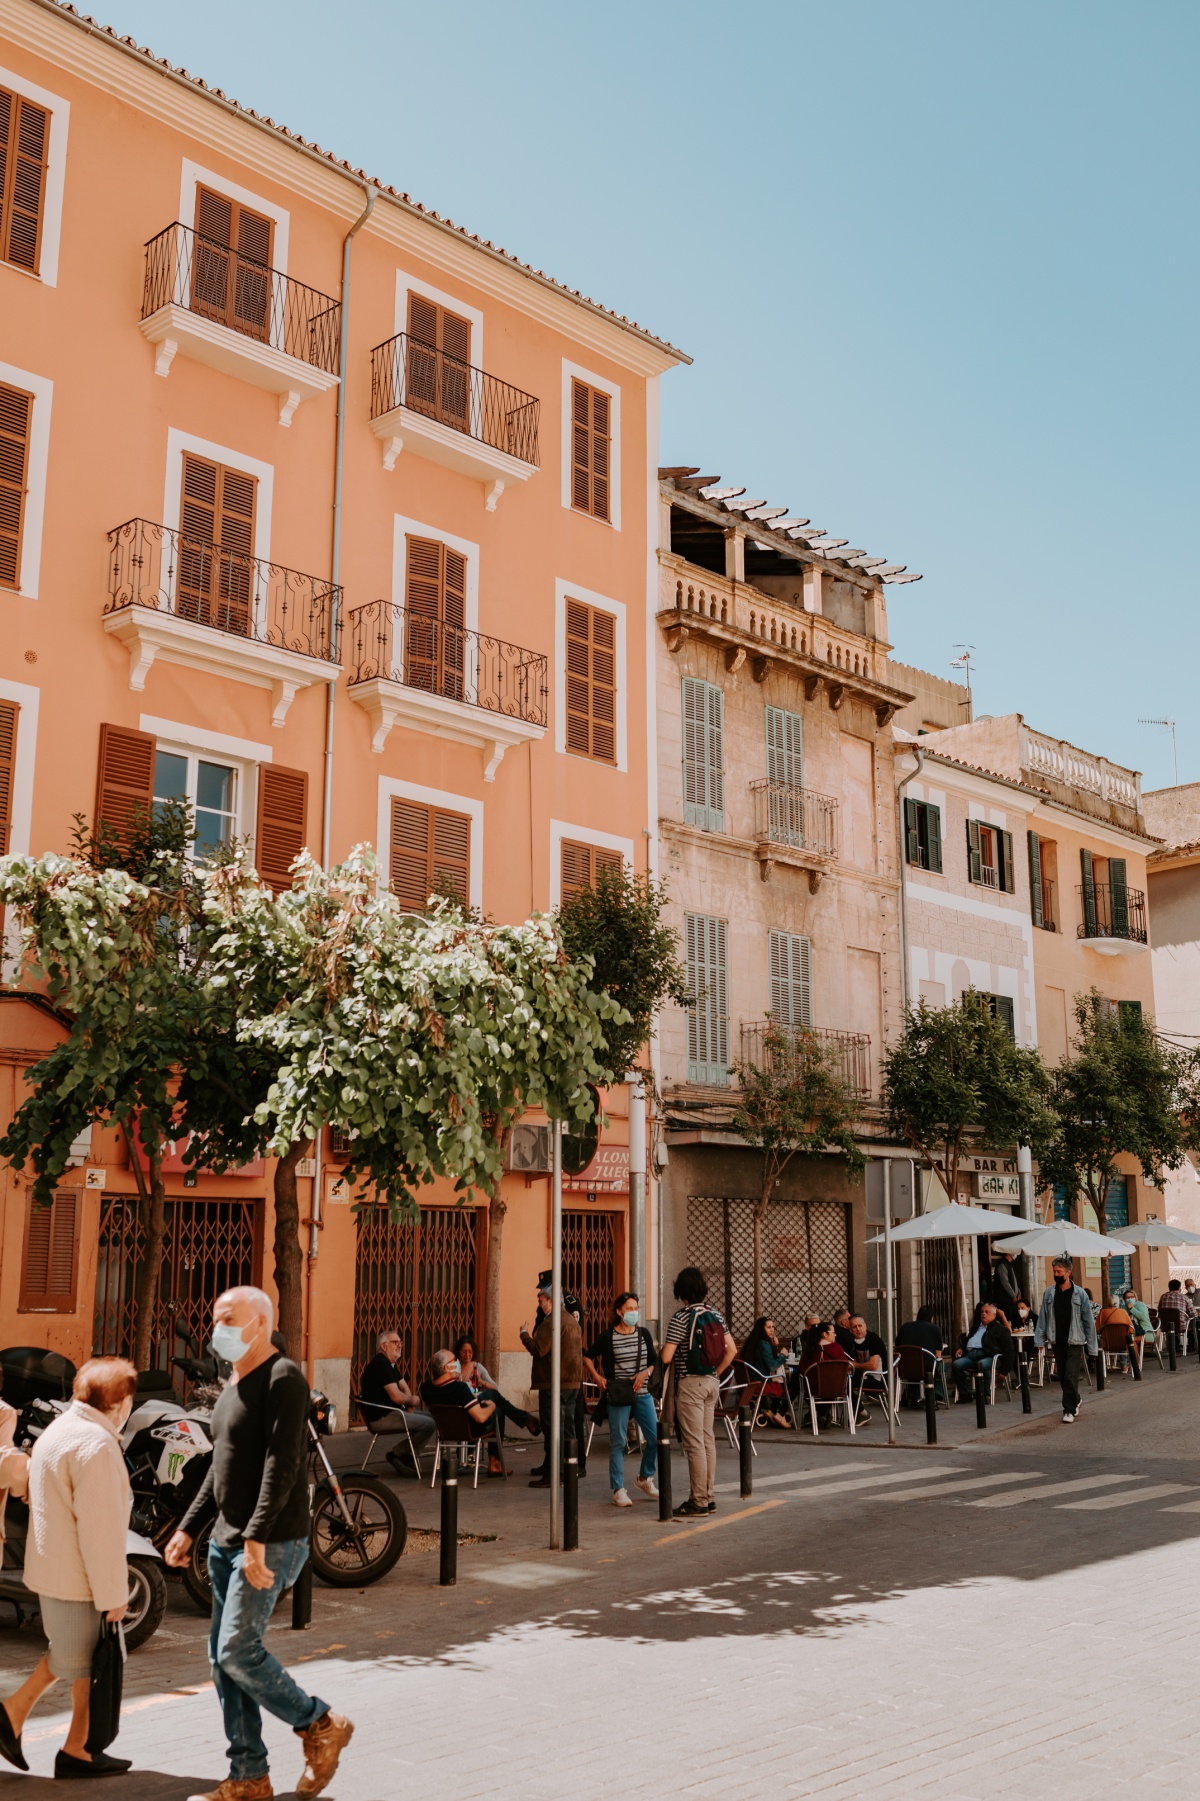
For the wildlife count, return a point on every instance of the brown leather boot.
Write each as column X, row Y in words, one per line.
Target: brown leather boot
column 239, row 1788
column 324, row 1741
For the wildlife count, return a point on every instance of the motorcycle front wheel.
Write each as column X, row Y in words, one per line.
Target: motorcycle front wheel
column 195, row 1570
column 359, row 1546
column 147, row 1601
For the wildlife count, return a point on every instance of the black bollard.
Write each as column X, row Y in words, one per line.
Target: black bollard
column 1170, row 1347
column 745, row 1452
column 448, row 1573
column 980, row 1401
column 1100, row 1376
column 1135, row 1362
column 929, row 1390
column 1026, row 1397
column 664, row 1470
column 571, row 1496
column 302, row 1598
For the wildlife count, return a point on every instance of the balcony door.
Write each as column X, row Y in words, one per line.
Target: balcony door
column 216, row 544
column 438, row 380
column 231, row 272
column 435, row 596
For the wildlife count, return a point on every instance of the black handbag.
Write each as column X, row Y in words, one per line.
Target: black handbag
column 621, row 1391
column 108, row 1677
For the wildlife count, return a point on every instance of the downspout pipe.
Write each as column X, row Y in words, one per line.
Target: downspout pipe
column 901, row 785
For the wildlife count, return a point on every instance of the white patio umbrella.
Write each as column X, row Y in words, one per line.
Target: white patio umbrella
column 954, row 1221
column 1156, row 1234
column 1065, row 1240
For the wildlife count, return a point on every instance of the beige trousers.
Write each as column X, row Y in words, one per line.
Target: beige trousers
column 695, row 1406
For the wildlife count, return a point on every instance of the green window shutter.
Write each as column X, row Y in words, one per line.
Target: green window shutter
column 974, row 854
column 785, row 747
column 1118, row 897
column 1088, row 871
column 703, row 755
column 1006, row 863
column 1035, row 878
column 791, row 979
column 933, row 823
column 1129, row 1013
column 1002, row 1007
column 912, row 841
column 708, row 1019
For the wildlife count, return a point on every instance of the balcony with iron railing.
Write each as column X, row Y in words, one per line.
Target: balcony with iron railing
column 1113, row 918
column 409, row 669
column 180, row 599
column 208, row 301
column 795, row 826
column 437, row 406
column 770, row 1045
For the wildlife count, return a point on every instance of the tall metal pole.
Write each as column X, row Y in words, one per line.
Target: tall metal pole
column 637, row 1187
column 554, row 1449
column 1025, row 1178
column 889, row 1310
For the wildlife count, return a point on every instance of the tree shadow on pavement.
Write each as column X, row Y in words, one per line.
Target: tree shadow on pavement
column 137, row 1785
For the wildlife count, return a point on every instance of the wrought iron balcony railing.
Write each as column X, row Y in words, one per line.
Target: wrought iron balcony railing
column 246, row 597
column 215, row 282
column 768, row 1045
column 393, row 644
column 410, row 373
column 1111, row 910
column 794, row 818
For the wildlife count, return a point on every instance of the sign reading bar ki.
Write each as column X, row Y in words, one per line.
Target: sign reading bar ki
column 607, row 1173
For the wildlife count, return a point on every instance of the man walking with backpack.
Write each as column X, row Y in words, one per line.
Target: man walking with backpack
column 698, row 1336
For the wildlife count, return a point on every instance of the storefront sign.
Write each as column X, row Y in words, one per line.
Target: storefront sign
column 607, row 1173
column 998, row 1188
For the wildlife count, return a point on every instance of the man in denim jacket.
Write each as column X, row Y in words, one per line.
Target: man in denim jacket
column 1067, row 1322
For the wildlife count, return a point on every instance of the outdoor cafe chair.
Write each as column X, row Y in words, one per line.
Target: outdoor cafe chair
column 885, row 1386
column 456, row 1430
column 995, row 1377
column 1117, row 1341
column 915, row 1365
column 385, row 1429
column 831, row 1385
column 729, row 1402
column 754, row 1385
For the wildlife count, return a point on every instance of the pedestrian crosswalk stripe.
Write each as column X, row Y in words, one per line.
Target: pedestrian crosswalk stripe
column 832, row 1469
column 1186, row 1507
column 845, row 1488
column 957, row 1488
column 1012, row 1496
column 1127, row 1499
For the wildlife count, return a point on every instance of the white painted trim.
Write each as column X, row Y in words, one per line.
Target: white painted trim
column 572, row 371
column 419, row 529
column 182, row 741
column 219, row 743
column 20, row 826
column 193, row 176
column 178, row 442
column 42, row 389
column 409, row 284
column 967, row 903
column 563, row 589
column 390, row 789
column 580, row 834
column 56, row 170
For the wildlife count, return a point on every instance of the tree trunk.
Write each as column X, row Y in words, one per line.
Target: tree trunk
column 497, row 1208
column 289, row 1256
column 1100, row 1207
column 760, row 1214
column 152, row 1206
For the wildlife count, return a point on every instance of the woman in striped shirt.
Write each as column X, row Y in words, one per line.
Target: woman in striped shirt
column 622, row 1362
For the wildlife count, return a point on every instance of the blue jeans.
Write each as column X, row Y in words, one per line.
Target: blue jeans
column 643, row 1411
column 964, row 1371
column 246, row 1676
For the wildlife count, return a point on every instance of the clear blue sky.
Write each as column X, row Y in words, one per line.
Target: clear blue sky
column 936, row 262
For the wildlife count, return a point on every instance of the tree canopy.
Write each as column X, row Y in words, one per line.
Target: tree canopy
column 616, row 926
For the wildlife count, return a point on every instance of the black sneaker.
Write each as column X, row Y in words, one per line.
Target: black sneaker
column 688, row 1508
column 711, row 1508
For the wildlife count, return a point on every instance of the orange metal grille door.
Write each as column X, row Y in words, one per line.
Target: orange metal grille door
column 418, row 1278
column 592, row 1266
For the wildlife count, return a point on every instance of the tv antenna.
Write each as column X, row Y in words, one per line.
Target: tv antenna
column 1167, row 725
column 963, row 662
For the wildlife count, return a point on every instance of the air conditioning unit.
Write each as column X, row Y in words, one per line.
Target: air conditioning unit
column 529, row 1152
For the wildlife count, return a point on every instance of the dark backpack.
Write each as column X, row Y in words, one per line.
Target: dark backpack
column 706, row 1343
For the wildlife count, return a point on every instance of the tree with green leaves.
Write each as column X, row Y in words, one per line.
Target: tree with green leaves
column 1120, row 1090
column 795, row 1102
column 617, row 924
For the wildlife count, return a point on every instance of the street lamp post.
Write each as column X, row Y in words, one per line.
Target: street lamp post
column 554, row 1448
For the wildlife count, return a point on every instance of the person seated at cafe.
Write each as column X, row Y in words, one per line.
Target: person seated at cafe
column 1139, row 1313
column 1174, row 1309
column 474, row 1374
column 866, row 1348
column 826, row 1346
column 841, row 1326
column 1116, row 1315
column 1026, row 1318
column 444, row 1387
column 384, row 1396
column 990, row 1339
column 763, row 1355
column 808, row 1345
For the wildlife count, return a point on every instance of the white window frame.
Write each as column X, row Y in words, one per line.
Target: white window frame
column 391, row 789
column 580, row 834
column 193, row 176
column 36, row 466
column 572, row 372
column 564, row 590
column 409, row 284
column 242, row 754
column 20, row 825
column 180, row 441
column 56, row 173
column 419, row 528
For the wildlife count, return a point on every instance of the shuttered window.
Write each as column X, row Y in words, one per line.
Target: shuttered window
column 1118, row 897
column 591, row 682
column 591, row 428
column 8, row 764
column 582, row 864
column 231, row 280
column 708, row 1018
column 435, row 593
column 16, row 417
column 989, row 856
column 1087, row 870
column 439, row 353
column 279, row 839
column 785, row 747
column 50, row 1263
column 217, row 549
column 430, row 854
column 125, row 777
column 791, row 979
column 703, row 755
column 24, row 144
column 923, row 835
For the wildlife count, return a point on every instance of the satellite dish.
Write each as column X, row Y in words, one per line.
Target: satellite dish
column 580, row 1145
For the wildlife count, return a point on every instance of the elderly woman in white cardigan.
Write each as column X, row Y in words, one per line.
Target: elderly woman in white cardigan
column 75, row 1555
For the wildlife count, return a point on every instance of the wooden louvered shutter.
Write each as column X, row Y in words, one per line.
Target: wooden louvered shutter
column 230, row 279
column 282, row 809
column 791, row 979
column 16, row 417
column 1118, row 897
column 974, row 852
column 216, row 552
column 912, row 836
column 439, row 351
column 1035, row 879
column 435, row 594
column 51, row 1255
column 708, row 1023
column 24, row 145
column 583, row 864
column 451, row 854
column 430, row 853
column 8, row 763
column 591, row 682
column 1088, row 872
column 933, row 826
column 1007, row 880
column 125, row 779
column 785, row 747
column 703, row 755
column 591, row 410
column 251, row 279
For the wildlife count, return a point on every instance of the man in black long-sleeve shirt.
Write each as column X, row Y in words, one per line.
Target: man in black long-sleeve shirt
column 259, row 1480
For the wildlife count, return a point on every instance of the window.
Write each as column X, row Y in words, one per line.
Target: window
column 124, row 778
column 708, row 1020
column 430, row 853
column 16, row 418
column 591, row 682
column 791, row 979
column 439, row 354
column 216, row 559
column 8, row 767
column 583, row 863
column 209, row 787
column 703, row 755
column 24, row 144
column 989, row 856
column 1002, row 1007
column 49, row 1265
column 1043, row 868
column 785, row 747
column 435, row 596
column 231, row 280
column 591, row 414
column 280, row 827
column 1129, row 1013
column 923, row 835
